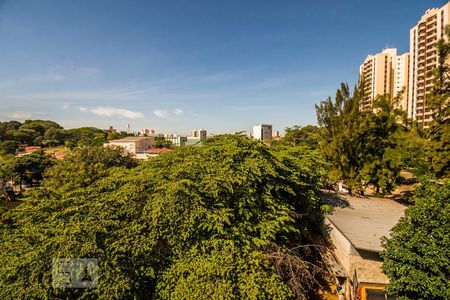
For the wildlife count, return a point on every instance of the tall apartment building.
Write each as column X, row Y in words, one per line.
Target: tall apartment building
column 400, row 82
column 384, row 73
column 424, row 58
column 262, row 132
column 199, row 133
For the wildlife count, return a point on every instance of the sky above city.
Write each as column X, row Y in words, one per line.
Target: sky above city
column 179, row 65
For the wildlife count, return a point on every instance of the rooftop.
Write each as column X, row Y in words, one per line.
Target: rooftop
column 364, row 221
column 157, row 150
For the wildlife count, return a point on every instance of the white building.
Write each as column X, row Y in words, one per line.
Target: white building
column 177, row 140
column 262, row 132
column 136, row 145
column 199, row 133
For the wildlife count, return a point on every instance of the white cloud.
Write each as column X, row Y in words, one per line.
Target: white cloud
column 178, row 111
column 20, row 115
column 112, row 111
column 160, row 113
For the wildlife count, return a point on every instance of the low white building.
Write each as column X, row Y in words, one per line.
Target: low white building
column 133, row 144
column 262, row 132
column 177, row 140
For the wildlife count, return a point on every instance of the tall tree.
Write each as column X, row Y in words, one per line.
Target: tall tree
column 307, row 136
column 359, row 142
column 26, row 169
column 439, row 101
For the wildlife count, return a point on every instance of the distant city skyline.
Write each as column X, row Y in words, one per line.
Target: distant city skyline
column 179, row 65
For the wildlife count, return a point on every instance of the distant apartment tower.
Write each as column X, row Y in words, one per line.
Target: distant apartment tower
column 262, row 132
column 384, row 73
column 146, row 131
column 199, row 133
column 424, row 58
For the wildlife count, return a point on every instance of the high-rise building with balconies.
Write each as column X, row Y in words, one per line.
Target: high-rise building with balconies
column 400, row 81
column 384, row 73
column 424, row 58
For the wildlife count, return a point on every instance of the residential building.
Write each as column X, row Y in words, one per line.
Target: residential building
column 177, row 140
column 262, row 132
column 400, row 66
column 355, row 228
column 146, row 131
column 384, row 73
column 424, row 58
column 133, row 144
column 199, row 133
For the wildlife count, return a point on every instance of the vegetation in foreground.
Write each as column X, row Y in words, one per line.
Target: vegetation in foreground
column 227, row 220
column 416, row 257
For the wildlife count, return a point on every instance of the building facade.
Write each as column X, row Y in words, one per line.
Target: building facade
column 400, row 82
column 176, row 140
column 424, row 58
column 133, row 144
column 146, row 131
column 385, row 73
column 262, row 132
column 199, row 133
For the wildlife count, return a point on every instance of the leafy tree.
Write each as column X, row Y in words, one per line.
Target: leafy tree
column 417, row 255
column 220, row 221
column 40, row 126
column 87, row 136
column 308, row 136
column 439, row 102
column 8, row 126
column 117, row 135
column 359, row 144
column 8, row 147
column 86, row 165
column 26, row 169
column 413, row 150
column 380, row 127
column 161, row 142
column 59, row 136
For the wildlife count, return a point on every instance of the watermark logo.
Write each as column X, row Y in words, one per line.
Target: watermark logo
column 75, row 273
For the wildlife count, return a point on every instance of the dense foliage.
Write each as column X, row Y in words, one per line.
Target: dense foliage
column 27, row 169
column 417, row 255
column 308, row 136
column 220, row 221
column 14, row 135
column 439, row 101
column 360, row 144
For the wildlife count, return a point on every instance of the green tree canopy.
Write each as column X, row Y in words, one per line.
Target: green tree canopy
column 439, row 101
column 87, row 136
column 417, row 255
column 360, row 143
column 86, row 165
column 308, row 136
column 26, row 169
column 224, row 220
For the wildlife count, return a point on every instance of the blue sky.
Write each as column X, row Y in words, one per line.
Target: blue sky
column 179, row 65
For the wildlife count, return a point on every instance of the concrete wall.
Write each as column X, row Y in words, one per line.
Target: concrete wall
column 368, row 270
